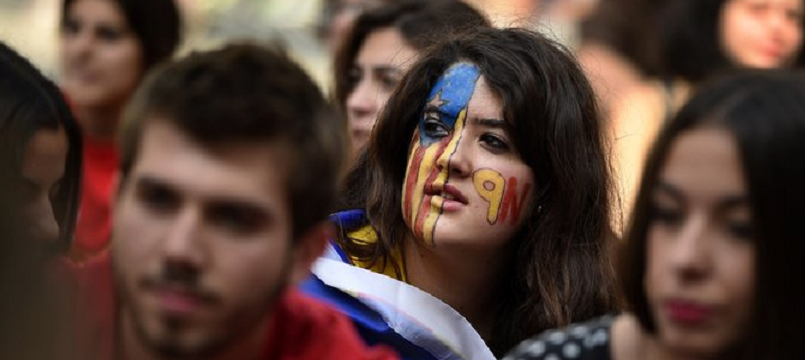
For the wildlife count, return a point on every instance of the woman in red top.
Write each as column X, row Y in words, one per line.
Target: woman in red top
column 107, row 46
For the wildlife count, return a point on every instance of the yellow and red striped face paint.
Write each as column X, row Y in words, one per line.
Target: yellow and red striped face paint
column 434, row 142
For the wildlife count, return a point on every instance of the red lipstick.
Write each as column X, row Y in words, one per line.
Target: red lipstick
column 689, row 313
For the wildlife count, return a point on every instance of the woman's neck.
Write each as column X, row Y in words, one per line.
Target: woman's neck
column 466, row 279
column 99, row 123
column 630, row 341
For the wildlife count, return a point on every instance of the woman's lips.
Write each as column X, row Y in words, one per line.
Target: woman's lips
column 686, row 312
column 453, row 198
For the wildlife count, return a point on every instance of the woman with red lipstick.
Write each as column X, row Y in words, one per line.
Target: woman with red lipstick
column 486, row 206
column 106, row 48
column 697, row 40
column 716, row 243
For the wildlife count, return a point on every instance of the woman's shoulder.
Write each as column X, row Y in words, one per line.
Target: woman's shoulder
column 580, row 341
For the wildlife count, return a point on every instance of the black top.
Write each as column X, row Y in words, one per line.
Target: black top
column 580, row 341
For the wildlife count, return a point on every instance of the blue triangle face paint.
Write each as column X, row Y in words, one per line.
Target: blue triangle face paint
column 448, row 98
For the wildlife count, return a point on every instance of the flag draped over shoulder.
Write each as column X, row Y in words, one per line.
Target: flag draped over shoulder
column 388, row 311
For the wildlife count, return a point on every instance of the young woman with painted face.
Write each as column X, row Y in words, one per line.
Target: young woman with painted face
column 106, row 47
column 696, row 40
column 383, row 43
column 40, row 169
column 487, row 207
column 716, row 243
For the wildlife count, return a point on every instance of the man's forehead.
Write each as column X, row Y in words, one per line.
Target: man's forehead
column 251, row 168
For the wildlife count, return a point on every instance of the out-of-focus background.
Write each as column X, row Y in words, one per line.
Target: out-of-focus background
column 30, row 26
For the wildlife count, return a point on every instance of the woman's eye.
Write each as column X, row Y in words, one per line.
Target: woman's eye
column 353, row 77
column 108, row 34
column 389, row 82
column 794, row 16
column 70, row 26
column 434, row 128
column 666, row 216
column 494, row 142
column 741, row 229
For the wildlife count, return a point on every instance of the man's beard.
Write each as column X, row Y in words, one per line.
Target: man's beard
column 236, row 327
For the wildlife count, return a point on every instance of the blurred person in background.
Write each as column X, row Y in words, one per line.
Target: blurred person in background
column 475, row 228
column 106, row 48
column 698, row 39
column 381, row 46
column 40, row 171
column 221, row 207
column 338, row 16
column 715, row 250
column 618, row 47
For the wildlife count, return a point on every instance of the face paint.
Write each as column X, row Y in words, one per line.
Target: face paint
column 434, row 141
column 490, row 185
column 512, row 204
column 502, row 198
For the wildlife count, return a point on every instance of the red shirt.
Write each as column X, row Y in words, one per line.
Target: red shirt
column 94, row 216
column 301, row 328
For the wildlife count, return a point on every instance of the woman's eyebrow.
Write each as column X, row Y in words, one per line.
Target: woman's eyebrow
column 666, row 188
column 492, row 123
column 731, row 202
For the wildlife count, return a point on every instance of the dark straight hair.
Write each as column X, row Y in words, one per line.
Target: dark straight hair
column 33, row 308
column 30, row 102
column 562, row 271
column 764, row 112
column 264, row 97
column 157, row 25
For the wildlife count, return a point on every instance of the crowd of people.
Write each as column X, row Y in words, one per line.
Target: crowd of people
column 465, row 191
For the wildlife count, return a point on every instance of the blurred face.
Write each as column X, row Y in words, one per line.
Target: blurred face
column 344, row 14
column 202, row 242
column 700, row 253
column 465, row 182
column 101, row 58
column 761, row 33
column 42, row 172
column 379, row 66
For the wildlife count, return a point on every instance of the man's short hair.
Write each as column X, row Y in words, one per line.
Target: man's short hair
column 246, row 93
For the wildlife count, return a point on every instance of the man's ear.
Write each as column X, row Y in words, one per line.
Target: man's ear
column 308, row 248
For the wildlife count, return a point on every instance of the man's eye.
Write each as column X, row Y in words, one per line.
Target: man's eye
column 434, row 128
column 158, row 198
column 236, row 219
